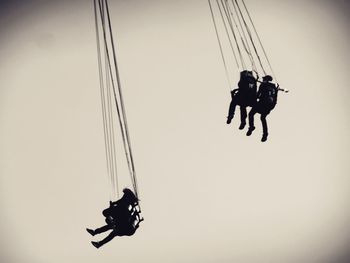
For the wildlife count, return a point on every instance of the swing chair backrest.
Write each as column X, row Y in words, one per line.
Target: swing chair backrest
column 247, row 88
column 269, row 95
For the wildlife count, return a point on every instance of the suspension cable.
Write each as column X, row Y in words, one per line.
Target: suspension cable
column 220, row 46
column 113, row 85
column 244, row 38
column 250, row 36
column 121, row 119
column 115, row 183
column 133, row 172
column 106, row 130
column 231, row 20
column 232, row 31
column 228, row 35
column 262, row 47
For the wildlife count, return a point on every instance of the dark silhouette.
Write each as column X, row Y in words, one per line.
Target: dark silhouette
column 122, row 217
column 266, row 101
column 244, row 96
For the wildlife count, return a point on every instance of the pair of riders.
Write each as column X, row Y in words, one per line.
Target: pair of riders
column 262, row 101
column 122, row 217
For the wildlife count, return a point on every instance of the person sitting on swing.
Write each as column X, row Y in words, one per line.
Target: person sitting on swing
column 244, row 96
column 267, row 99
column 122, row 217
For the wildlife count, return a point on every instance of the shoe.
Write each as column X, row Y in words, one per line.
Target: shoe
column 264, row 138
column 90, row 231
column 250, row 131
column 229, row 120
column 95, row 244
column 241, row 127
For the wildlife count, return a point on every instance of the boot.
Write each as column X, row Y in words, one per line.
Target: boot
column 241, row 127
column 250, row 131
column 229, row 118
column 95, row 244
column 264, row 137
column 90, row 231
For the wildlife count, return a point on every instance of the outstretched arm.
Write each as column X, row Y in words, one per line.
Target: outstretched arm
column 284, row 90
column 279, row 89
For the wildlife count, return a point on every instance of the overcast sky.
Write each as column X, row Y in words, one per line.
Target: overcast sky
column 208, row 192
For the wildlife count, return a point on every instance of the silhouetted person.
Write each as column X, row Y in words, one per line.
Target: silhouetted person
column 122, row 217
column 267, row 99
column 244, row 96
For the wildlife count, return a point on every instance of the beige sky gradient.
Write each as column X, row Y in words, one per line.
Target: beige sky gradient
column 208, row 193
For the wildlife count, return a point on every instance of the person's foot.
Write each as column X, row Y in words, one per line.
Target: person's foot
column 250, row 131
column 90, row 231
column 264, row 138
column 241, row 127
column 229, row 120
column 95, row 244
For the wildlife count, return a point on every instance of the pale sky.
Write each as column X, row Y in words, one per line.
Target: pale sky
column 208, row 192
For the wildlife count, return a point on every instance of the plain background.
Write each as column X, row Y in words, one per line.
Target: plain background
column 208, row 192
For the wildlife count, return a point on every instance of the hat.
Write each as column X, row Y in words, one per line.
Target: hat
column 129, row 194
column 267, row 78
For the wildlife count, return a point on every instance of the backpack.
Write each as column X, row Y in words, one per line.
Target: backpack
column 268, row 97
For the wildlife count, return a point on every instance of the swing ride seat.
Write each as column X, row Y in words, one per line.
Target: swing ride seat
column 124, row 214
column 129, row 226
column 128, row 222
column 245, row 95
column 125, row 219
column 242, row 98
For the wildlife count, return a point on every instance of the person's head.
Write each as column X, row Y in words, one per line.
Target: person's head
column 246, row 73
column 267, row 78
column 129, row 195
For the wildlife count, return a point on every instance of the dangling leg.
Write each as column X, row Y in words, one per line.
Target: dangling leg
column 99, row 230
column 231, row 111
column 105, row 240
column 264, row 126
column 243, row 117
column 251, row 121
